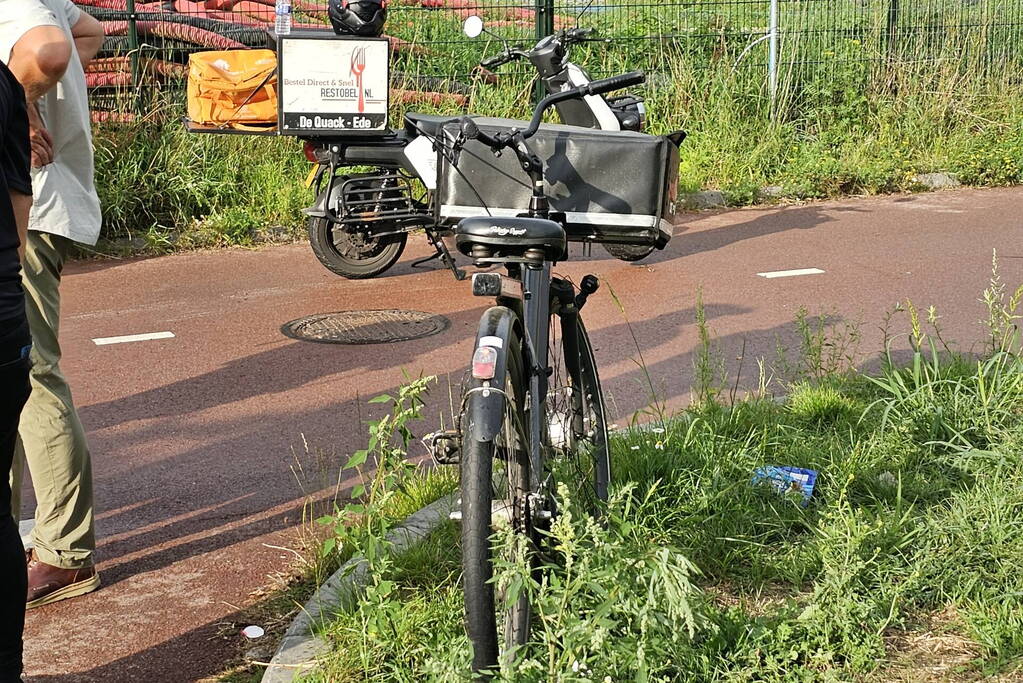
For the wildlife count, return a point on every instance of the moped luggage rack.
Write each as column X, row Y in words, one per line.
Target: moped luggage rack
column 393, row 204
column 193, row 127
column 391, row 201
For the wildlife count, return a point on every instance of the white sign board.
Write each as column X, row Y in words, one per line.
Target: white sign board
column 332, row 85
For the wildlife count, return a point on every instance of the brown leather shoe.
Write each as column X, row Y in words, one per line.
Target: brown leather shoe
column 47, row 583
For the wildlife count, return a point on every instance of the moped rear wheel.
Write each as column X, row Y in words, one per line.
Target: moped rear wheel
column 629, row 252
column 352, row 252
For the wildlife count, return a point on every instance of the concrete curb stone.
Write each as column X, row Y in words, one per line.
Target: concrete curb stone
column 937, row 181
column 301, row 647
column 706, row 199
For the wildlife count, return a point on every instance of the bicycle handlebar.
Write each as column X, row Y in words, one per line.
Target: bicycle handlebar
column 470, row 131
column 615, row 83
column 593, row 88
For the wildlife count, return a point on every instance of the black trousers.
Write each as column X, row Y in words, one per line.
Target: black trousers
column 14, row 390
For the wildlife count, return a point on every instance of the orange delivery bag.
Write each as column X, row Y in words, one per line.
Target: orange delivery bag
column 233, row 88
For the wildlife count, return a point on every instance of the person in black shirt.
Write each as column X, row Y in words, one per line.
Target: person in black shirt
column 15, row 342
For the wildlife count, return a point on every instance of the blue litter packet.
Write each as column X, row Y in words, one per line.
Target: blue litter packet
column 787, row 480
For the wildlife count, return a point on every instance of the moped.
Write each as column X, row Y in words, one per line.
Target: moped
column 360, row 221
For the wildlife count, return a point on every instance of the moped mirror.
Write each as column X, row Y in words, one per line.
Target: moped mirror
column 473, row 26
column 582, row 12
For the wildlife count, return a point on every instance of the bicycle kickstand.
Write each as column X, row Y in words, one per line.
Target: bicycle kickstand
column 442, row 253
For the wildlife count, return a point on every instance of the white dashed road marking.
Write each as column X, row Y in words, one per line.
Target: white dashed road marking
column 791, row 273
column 100, row 341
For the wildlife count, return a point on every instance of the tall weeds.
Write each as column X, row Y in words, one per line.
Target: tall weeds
column 696, row 574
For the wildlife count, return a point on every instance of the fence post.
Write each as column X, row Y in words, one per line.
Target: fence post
column 133, row 47
column 891, row 34
column 772, row 54
column 544, row 20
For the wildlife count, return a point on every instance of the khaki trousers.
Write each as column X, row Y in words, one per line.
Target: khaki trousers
column 51, row 437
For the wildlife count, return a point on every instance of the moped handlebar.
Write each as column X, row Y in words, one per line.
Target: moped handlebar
column 578, row 35
column 509, row 55
column 569, row 37
column 495, row 61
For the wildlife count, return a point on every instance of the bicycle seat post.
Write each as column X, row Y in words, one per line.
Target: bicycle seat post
column 536, row 311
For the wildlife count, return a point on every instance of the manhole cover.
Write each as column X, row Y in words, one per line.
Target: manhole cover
column 365, row 327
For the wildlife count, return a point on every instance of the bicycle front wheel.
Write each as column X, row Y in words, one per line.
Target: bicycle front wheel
column 576, row 415
column 495, row 488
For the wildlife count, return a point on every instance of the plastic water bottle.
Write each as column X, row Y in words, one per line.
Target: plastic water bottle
column 282, row 23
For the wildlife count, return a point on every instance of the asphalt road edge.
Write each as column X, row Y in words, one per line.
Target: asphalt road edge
column 301, row 647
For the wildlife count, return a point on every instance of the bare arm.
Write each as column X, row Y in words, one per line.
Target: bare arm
column 88, row 36
column 21, row 203
column 39, row 60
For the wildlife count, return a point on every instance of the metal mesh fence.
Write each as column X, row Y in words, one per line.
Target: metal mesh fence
column 148, row 43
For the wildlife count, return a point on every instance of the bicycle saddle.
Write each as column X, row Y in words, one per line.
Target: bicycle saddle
column 510, row 236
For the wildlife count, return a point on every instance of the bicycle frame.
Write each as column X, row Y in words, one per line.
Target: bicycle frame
column 536, row 285
column 542, row 297
column 535, row 311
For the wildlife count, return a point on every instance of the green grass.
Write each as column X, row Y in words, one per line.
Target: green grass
column 904, row 566
column 174, row 189
column 898, row 531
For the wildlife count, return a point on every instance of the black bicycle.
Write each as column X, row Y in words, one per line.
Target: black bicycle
column 533, row 411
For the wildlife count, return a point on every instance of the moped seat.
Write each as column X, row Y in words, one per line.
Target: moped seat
column 511, row 236
column 428, row 123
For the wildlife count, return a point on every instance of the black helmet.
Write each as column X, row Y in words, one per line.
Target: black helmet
column 357, row 17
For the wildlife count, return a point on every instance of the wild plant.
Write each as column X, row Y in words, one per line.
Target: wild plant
column 709, row 373
column 827, row 346
column 383, row 470
column 1001, row 321
column 956, row 402
column 656, row 406
column 610, row 603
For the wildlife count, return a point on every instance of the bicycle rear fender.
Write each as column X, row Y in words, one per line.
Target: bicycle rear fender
column 486, row 409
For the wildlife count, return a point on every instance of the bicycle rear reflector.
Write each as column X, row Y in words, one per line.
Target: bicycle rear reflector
column 484, row 362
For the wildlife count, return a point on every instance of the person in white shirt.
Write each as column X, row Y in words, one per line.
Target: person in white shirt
column 47, row 45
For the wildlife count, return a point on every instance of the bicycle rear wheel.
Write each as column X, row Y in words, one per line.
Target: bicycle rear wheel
column 495, row 485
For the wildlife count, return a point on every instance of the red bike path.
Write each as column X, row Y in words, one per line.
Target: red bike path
column 203, row 443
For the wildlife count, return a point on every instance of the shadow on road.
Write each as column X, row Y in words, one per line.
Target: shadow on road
column 260, row 374
column 229, row 510
column 191, row 656
column 213, row 493
column 749, row 224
